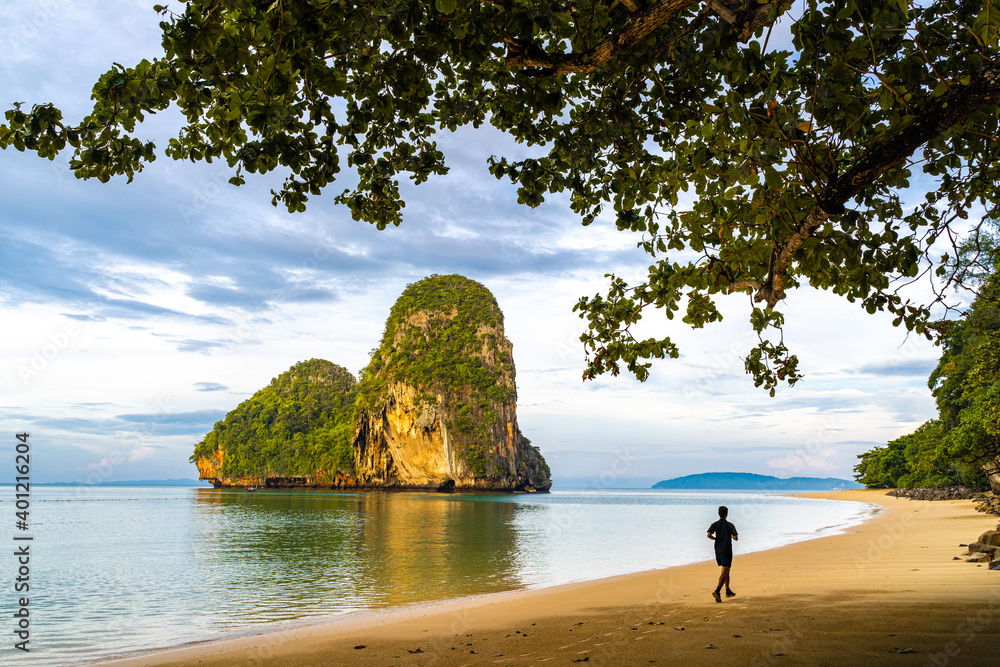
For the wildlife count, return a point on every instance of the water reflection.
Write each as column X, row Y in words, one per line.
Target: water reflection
column 284, row 555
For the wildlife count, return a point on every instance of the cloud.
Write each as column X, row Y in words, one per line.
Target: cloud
column 135, row 309
column 900, row 368
column 113, row 265
column 194, row 345
column 192, row 423
column 210, row 386
column 801, row 464
column 84, row 317
column 195, row 419
column 142, row 452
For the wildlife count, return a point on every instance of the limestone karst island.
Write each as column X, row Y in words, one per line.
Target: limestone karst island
column 435, row 409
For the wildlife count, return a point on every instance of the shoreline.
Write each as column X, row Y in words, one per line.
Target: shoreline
column 885, row 584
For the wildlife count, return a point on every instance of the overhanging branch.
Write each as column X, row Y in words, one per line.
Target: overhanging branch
column 522, row 55
column 644, row 22
column 933, row 117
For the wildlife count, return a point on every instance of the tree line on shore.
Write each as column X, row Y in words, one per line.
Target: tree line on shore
column 962, row 445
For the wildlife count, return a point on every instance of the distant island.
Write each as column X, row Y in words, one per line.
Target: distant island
column 745, row 481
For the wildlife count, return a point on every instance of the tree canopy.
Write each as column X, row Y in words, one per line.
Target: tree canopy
column 747, row 162
column 966, row 382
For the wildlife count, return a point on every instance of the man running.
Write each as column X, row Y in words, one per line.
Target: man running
column 723, row 533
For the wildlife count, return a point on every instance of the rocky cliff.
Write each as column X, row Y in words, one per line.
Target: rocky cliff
column 435, row 409
column 437, row 403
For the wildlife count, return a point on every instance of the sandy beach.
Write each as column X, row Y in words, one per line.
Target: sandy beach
column 886, row 592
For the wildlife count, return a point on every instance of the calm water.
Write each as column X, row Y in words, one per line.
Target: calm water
column 120, row 570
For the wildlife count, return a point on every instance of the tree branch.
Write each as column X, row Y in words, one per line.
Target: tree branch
column 933, row 117
column 773, row 289
column 521, row 54
column 745, row 23
column 744, row 284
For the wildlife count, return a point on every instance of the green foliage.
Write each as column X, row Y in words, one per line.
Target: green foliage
column 435, row 339
column 301, row 422
column 927, row 463
column 444, row 337
column 881, row 467
column 917, row 460
column 966, row 384
column 740, row 166
column 540, row 478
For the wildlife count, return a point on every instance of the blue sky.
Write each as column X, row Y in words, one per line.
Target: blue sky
column 136, row 315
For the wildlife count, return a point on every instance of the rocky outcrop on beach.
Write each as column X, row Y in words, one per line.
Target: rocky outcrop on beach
column 944, row 493
column 436, row 408
column 989, row 503
column 985, row 501
column 992, row 470
column 986, row 549
column 437, row 405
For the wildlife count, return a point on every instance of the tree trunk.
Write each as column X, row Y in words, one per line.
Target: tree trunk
column 993, row 472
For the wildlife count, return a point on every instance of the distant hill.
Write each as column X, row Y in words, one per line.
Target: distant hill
column 745, row 481
column 136, row 482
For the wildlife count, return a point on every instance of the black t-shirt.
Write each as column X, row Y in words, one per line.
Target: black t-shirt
column 723, row 531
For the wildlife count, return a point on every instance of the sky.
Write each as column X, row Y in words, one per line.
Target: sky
column 137, row 315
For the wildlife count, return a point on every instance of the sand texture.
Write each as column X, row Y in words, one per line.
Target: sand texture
column 886, row 592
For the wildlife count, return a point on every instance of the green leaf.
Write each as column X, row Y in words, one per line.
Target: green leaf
column 446, row 6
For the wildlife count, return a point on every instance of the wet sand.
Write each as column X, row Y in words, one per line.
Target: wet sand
column 886, row 592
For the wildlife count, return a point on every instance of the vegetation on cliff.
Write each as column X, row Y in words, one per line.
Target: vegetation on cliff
column 441, row 352
column 300, row 423
column 444, row 337
column 962, row 445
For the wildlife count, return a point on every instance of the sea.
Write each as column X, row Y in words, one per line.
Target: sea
column 123, row 570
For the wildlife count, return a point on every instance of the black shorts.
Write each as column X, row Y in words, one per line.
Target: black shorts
column 724, row 560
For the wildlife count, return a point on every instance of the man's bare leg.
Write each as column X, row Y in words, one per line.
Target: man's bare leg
column 723, row 580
